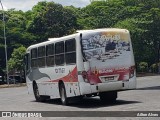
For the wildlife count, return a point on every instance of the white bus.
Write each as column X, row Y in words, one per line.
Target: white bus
column 88, row 63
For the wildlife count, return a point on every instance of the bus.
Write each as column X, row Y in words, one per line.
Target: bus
column 97, row 62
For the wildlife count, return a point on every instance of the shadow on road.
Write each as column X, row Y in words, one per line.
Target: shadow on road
column 91, row 103
column 97, row 103
column 149, row 88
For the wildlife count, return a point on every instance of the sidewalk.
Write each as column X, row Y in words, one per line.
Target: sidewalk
column 12, row 85
column 147, row 74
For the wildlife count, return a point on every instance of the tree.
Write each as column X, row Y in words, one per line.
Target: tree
column 140, row 17
column 48, row 19
column 16, row 63
column 51, row 20
column 101, row 14
column 16, row 33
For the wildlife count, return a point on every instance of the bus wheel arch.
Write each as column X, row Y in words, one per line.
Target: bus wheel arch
column 62, row 93
column 34, row 83
column 38, row 97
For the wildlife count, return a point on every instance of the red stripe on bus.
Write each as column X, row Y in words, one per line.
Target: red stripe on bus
column 71, row 77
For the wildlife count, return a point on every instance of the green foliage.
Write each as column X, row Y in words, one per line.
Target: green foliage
column 52, row 20
column 154, row 67
column 16, row 60
column 48, row 19
column 143, row 66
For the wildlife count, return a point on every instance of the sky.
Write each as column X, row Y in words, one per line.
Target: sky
column 28, row 4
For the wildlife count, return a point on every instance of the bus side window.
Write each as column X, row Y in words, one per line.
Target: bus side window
column 50, row 55
column 70, row 51
column 41, row 56
column 34, row 58
column 59, row 53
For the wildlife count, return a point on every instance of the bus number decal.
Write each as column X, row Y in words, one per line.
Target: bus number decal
column 60, row 70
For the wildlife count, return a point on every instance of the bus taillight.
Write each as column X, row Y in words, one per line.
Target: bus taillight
column 132, row 69
column 84, row 75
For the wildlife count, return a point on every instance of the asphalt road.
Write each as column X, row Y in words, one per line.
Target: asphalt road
column 145, row 98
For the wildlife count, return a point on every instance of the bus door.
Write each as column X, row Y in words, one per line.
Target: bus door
column 27, row 63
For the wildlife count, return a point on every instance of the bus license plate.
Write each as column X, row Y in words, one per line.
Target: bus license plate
column 109, row 78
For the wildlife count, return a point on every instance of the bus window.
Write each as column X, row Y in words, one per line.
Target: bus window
column 34, row 53
column 50, row 60
column 41, row 56
column 50, row 49
column 41, row 62
column 50, row 55
column 59, row 59
column 59, row 47
column 34, row 63
column 70, row 51
column 41, row 51
column 34, row 58
column 59, row 53
column 70, row 45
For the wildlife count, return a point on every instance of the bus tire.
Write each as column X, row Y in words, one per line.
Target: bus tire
column 39, row 98
column 63, row 94
column 110, row 96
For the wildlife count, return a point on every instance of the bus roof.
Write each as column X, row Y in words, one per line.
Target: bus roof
column 102, row 29
column 50, row 40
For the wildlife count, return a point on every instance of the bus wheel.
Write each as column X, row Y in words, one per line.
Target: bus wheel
column 38, row 97
column 108, row 96
column 63, row 95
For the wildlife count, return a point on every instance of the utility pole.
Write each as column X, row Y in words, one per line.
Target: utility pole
column 4, row 29
column 158, row 57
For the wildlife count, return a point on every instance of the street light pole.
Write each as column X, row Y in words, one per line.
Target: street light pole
column 158, row 57
column 4, row 29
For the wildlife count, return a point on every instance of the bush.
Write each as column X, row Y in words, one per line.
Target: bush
column 143, row 66
column 154, row 67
